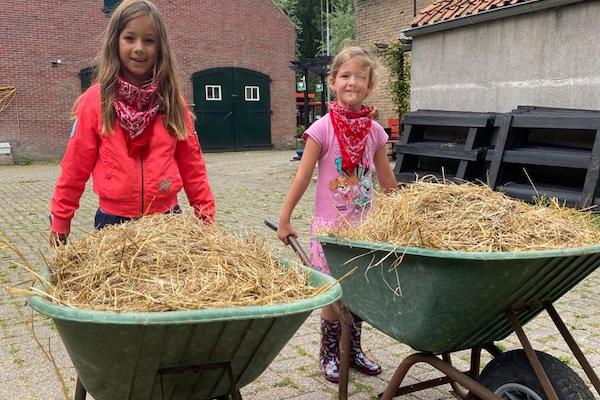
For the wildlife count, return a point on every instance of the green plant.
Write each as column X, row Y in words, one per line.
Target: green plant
column 300, row 129
column 399, row 66
column 24, row 161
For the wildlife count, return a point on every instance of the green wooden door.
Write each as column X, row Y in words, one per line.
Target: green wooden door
column 213, row 105
column 232, row 107
column 253, row 117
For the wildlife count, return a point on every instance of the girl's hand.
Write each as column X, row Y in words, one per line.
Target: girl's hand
column 286, row 229
column 57, row 239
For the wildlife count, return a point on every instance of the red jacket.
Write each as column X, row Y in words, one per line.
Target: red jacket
column 128, row 187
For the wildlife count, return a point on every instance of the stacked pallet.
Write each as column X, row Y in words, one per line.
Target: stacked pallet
column 528, row 153
column 446, row 144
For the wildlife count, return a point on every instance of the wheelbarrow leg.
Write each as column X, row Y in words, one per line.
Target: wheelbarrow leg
column 80, row 392
column 344, row 354
column 234, row 391
column 531, row 356
column 451, row 373
column 560, row 325
column 492, row 349
column 473, row 372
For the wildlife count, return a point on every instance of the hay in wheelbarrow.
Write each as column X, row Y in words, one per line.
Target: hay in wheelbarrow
column 177, row 355
column 446, row 267
column 169, row 263
column 437, row 264
column 470, row 217
column 184, row 354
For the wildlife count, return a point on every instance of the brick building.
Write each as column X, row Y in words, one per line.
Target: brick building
column 230, row 39
column 380, row 21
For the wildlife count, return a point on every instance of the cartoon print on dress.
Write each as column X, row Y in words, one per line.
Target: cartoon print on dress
column 345, row 188
column 355, row 190
column 366, row 191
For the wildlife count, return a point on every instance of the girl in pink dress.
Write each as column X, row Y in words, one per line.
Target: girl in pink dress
column 349, row 146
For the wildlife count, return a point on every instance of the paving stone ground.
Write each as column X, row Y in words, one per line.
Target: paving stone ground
column 249, row 186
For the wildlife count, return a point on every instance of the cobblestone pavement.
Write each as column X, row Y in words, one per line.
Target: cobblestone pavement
column 249, row 186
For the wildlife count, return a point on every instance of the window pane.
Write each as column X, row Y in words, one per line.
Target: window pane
column 87, row 76
column 109, row 6
column 213, row 92
column 251, row 93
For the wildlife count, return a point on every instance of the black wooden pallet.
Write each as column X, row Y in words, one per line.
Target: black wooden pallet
column 446, row 144
column 561, row 146
column 527, row 153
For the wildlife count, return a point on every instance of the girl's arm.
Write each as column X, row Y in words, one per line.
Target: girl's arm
column 301, row 182
column 387, row 179
column 192, row 170
column 76, row 166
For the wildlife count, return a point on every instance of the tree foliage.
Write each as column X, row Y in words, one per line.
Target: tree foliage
column 399, row 66
column 341, row 22
column 310, row 16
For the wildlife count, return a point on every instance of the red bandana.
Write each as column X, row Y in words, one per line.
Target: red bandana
column 351, row 129
column 135, row 109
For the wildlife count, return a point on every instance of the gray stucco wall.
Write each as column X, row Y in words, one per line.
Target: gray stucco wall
column 546, row 58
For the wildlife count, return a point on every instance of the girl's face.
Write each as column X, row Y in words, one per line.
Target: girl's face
column 138, row 50
column 351, row 84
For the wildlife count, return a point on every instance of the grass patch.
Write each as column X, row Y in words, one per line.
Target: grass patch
column 285, row 383
column 501, row 347
column 566, row 360
column 577, row 327
column 300, row 350
column 363, row 388
column 17, row 360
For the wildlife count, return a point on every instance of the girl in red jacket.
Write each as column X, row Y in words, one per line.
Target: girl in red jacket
column 132, row 132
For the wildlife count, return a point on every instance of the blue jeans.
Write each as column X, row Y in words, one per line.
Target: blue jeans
column 103, row 219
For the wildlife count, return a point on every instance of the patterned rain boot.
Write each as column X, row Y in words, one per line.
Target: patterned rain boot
column 329, row 357
column 358, row 359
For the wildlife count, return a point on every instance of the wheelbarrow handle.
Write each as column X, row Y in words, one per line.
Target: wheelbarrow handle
column 293, row 242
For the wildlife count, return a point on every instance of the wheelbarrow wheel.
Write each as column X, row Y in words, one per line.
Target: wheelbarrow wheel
column 510, row 376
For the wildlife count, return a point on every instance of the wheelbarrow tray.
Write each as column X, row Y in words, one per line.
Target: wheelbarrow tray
column 125, row 355
column 451, row 300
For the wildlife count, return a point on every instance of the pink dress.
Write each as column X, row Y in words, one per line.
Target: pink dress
column 340, row 196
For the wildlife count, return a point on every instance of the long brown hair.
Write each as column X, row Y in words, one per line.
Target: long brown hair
column 109, row 66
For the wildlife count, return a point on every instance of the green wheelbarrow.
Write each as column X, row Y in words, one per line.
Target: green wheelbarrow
column 200, row 354
column 440, row 302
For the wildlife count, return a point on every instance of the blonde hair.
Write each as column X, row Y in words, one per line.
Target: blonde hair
column 110, row 64
column 346, row 54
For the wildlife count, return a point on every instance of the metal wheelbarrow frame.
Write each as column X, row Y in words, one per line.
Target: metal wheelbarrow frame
column 198, row 354
column 450, row 301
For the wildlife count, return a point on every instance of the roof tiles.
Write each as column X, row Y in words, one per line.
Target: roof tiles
column 444, row 10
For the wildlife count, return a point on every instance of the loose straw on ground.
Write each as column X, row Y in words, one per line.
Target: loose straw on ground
column 169, row 263
column 470, row 217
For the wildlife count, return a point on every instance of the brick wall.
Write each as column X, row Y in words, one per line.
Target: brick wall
column 380, row 21
column 203, row 34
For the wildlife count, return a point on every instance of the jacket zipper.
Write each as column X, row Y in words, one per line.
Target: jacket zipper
column 142, row 169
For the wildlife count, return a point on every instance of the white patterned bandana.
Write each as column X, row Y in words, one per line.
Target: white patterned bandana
column 135, row 107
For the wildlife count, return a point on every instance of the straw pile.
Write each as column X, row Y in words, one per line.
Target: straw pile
column 470, row 217
column 169, row 263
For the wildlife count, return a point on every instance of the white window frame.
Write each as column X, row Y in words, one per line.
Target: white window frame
column 251, row 92
column 212, row 88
